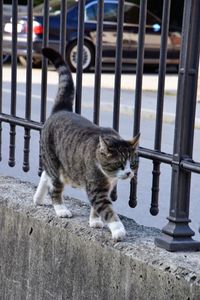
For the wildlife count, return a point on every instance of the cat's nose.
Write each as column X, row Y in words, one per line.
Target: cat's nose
column 128, row 174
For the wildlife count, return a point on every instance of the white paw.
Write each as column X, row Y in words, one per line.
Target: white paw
column 96, row 223
column 37, row 200
column 119, row 235
column 62, row 211
column 118, row 231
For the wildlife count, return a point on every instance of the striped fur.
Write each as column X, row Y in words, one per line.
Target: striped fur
column 75, row 151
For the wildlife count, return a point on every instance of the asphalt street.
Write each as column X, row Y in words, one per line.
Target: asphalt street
column 141, row 213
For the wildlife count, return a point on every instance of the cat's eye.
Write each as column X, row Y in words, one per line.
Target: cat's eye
column 134, row 163
column 122, row 167
column 119, row 165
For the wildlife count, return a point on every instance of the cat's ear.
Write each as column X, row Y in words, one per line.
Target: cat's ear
column 103, row 146
column 135, row 141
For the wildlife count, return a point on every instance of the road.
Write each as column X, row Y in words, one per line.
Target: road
column 141, row 213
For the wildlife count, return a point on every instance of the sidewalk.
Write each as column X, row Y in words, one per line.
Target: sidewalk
column 149, row 95
column 128, row 83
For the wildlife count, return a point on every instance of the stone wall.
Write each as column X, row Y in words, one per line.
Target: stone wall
column 43, row 257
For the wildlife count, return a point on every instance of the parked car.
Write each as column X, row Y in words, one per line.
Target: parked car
column 7, row 14
column 130, row 35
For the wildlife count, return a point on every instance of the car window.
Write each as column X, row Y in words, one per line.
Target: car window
column 110, row 12
column 152, row 20
column 131, row 14
column 91, row 13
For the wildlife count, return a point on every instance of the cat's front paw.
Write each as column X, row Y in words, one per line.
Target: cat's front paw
column 62, row 211
column 119, row 235
column 118, row 231
column 96, row 223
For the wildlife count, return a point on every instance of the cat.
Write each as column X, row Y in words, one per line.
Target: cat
column 77, row 152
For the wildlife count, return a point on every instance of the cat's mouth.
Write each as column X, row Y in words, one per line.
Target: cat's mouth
column 126, row 176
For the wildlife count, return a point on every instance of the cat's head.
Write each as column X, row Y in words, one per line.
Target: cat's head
column 118, row 158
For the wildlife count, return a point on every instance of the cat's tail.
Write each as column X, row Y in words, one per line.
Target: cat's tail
column 65, row 94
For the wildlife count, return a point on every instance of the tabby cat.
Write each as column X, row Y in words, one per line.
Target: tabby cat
column 79, row 153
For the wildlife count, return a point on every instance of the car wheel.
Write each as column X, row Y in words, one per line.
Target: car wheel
column 36, row 61
column 88, row 56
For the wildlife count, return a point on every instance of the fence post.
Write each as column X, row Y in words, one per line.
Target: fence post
column 177, row 235
column 198, row 89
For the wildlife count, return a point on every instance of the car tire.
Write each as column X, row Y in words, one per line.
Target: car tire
column 36, row 62
column 88, row 56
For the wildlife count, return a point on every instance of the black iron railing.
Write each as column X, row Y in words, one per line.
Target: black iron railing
column 176, row 235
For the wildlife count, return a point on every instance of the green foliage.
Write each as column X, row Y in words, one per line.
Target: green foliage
column 24, row 2
column 21, row 2
column 36, row 2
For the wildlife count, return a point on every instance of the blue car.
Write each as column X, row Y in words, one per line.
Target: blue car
column 130, row 34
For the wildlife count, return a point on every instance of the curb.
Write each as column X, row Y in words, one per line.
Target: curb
column 147, row 114
column 126, row 110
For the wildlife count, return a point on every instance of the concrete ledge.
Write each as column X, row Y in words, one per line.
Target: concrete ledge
column 43, row 257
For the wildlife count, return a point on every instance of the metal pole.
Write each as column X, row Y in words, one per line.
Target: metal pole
column 79, row 70
column 27, row 135
column 45, row 42
column 98, row 59
column 118, row 65
column 63, row 22
column 1, row 69
column 11, row 161
column 177, row 235
column 160, row 104
column 138, row 90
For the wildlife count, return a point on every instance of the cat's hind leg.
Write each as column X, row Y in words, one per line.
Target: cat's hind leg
column 56, row 191
column 42, row 189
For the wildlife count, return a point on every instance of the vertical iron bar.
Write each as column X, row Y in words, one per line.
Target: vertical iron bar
column 160, row 104
column 63, row 21
column 27, row 135
column 98, row 64
column 138, row 89
column 1, row 68
column 11, row 161
column 44, row 62
column 81, row 15
column 44, row 71
column 118, row 64
column 177, row 235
